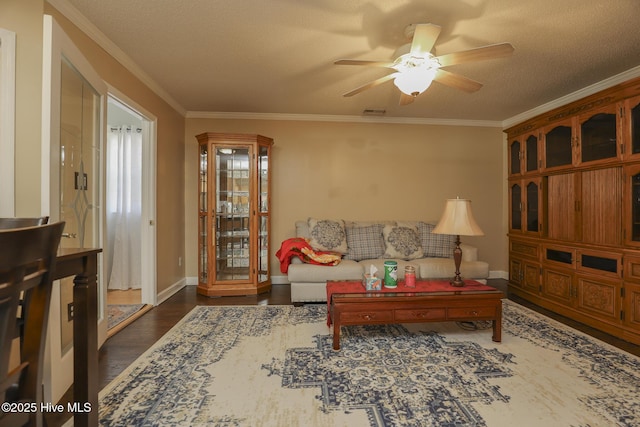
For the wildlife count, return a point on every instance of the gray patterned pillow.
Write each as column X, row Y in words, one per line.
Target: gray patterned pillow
column 365, row 242
column 327, row 235
column 402, row 242
column 435, row 245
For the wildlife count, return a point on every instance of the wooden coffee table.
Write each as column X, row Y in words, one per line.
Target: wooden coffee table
column 372, row 308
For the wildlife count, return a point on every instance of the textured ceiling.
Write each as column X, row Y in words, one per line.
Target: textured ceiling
column 276, row 56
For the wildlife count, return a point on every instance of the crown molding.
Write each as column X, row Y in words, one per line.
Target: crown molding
column 87, row 27
column 340, row 118
column 574, row 96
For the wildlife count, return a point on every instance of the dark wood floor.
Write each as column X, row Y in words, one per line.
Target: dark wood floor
column 126, row 346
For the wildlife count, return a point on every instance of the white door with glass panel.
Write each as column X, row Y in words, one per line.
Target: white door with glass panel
column 74, row 106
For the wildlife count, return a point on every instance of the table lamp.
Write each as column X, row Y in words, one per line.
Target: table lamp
column 458, row 220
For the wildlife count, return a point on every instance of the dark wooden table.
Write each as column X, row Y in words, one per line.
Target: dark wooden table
column 370, row 308
column 83, row 264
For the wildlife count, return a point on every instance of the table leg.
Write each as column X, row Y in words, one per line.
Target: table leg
column 85, row 345
column 497, row 324
column 336, row 330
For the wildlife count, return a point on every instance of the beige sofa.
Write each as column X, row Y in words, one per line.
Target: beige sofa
column 371, row 243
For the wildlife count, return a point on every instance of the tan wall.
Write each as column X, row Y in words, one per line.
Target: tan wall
column 170, row 152
column 25, row 19
column 369, row 171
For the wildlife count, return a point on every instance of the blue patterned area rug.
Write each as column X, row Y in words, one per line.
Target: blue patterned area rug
column 274, row 366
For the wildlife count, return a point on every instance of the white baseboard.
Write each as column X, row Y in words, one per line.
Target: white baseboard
column 499, row 274
column 276, row 280
column 280, row 280
column 170, row 291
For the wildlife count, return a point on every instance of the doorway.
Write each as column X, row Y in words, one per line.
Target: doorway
column 129, row 239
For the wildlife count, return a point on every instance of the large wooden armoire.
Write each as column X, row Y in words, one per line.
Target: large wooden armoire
column 234, row 206
column 574, row 210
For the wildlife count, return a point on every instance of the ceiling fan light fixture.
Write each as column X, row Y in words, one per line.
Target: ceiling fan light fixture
column 415, row 73
column 414, row 81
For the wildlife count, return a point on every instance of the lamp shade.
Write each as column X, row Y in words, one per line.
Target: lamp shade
column 457, row 219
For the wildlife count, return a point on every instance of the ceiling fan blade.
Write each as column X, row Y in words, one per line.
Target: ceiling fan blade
column 371, row 84
column 457, row 81
column 493, row 51
column 406, row 99
column 424, row 37
column 367, row 63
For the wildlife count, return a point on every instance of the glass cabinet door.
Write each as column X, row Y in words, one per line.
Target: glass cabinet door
column 598, row 136
column 632, row 128
column 516, row 207
column 232, row 228
column 533, row 215
column 514, row 157
column 531, row 151
column 203, row 203
column 263, row 216
column 635, row 129
column 632, row 205
column 558, row 146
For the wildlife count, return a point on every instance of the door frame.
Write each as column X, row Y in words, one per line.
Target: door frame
column 149, row 291
column 57, row 46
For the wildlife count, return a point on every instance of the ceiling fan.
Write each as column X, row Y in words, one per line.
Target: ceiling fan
column 415, row 70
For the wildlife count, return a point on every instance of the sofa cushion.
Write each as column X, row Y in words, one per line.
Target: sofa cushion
column 402, row 241
column 346, row 270
column 364, row 242
column 327, row 235
column 435, row 245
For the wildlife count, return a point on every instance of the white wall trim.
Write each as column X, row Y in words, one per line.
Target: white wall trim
column 192, row 281
column 70, row 12
column 171, row 290
column 575, row 96
column 149, row 191
column 280, row 280
column 7, row 121
column 498, row 274
column 340, row 118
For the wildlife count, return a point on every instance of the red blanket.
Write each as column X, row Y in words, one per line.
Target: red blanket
column 300, row 247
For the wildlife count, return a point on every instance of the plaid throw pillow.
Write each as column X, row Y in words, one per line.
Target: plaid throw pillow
column 435, row 245
column 365, row 242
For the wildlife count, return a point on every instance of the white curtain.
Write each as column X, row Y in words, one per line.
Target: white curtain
column 124, row 206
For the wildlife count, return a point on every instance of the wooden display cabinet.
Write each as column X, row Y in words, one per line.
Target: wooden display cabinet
column 234, row 214
column 587, row 181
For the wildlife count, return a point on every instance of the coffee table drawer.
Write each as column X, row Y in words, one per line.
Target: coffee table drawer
column 470, row 312
column 420, row 314
column 366, row 316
